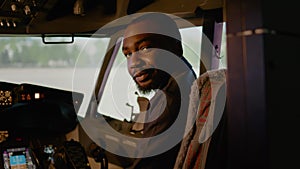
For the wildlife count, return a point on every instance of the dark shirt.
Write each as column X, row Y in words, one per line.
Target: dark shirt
column 166, row 106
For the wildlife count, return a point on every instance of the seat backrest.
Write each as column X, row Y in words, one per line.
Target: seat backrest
column 205, row 124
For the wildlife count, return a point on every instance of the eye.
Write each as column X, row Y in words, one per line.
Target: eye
column 144, row 49
column 127, row 55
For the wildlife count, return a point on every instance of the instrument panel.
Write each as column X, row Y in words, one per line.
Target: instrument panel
column 6, row 94
column 12, row 94
column 5, row 98
column 38, row 108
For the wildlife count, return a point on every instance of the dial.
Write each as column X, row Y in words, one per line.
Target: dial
column 5, row 98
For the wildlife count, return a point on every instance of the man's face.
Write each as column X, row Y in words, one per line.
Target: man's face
column 144, row 57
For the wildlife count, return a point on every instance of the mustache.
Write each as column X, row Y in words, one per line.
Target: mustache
column 159, row 80
column 144, row 71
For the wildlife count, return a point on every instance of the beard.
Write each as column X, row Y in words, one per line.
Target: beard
column 159, row 80
column 143, row 90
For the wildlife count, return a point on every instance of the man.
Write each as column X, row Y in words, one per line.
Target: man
column 152, row 46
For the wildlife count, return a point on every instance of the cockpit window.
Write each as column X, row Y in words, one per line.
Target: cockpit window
column 119, row 97
column 26, row 59
column 76, row 66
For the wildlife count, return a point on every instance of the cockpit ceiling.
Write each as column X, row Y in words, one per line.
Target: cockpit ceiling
column 80, row 16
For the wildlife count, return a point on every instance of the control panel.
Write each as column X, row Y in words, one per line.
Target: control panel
column 38, row 109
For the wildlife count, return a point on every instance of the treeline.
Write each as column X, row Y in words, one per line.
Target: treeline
column 31, row 52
